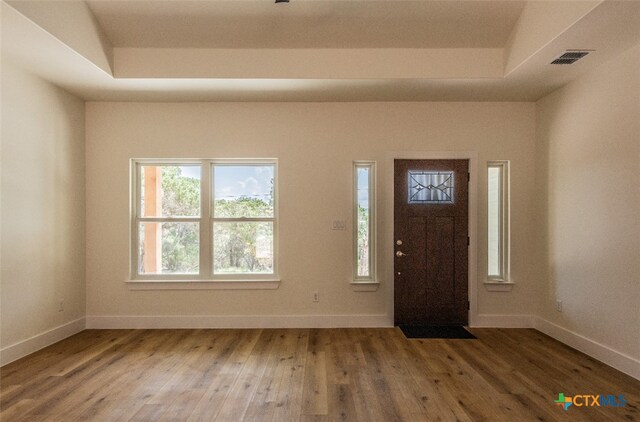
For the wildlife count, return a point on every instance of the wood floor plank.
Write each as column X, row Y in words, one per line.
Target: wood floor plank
column 342, row 405
column 16, row 410
column 143, row 381
column 436, row 401
column 390, row 401
column 148, row 412
column 365, row 400
column 101, row 370
column 105, row 393
column 47, row 362
column 246, row 384
column 221, row 380
column 262, row 406
column 289, row 397
column 315, row 400
column 359, row 374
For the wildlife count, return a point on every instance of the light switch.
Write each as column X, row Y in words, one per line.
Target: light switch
column 339, row 225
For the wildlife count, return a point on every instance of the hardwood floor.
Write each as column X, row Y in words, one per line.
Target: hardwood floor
column 308, row 375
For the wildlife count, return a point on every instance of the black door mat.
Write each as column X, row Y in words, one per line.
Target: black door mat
column 436, row 331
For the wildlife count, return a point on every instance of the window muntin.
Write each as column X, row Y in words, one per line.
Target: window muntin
column 364, row 221
column 498, row 220
column 174, row 226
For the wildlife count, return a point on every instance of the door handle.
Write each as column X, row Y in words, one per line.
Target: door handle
column 400, row 253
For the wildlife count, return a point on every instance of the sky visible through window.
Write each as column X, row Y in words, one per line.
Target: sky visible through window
column 192, row 172
column 363, row 187
column 252, row 181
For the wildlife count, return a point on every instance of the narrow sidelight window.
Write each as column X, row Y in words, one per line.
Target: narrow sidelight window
column 498, row 220
column 364, row 220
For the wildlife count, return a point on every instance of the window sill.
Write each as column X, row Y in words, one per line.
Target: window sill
column 203, row 284
column 498, row 286
column 365, row 286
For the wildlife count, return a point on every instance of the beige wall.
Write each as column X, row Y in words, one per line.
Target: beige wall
column 315, row 144
column 589, row 167
column 43, row 206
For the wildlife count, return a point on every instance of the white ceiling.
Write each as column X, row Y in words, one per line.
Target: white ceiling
column 347, row 50
column 307, row 24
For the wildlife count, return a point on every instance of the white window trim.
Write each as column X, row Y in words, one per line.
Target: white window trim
column 205, row 279
column 371, row 279
column 502, row 281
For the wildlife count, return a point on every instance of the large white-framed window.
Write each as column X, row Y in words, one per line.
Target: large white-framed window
column 364, row 217
column 204, row 220
column 498, row 221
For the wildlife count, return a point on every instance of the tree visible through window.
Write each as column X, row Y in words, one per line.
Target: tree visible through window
column 364, row 220
column 169, row 242
column 243, row 218
column 187, row 232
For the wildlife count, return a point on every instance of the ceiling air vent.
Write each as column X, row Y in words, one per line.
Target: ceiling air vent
column 570, row 57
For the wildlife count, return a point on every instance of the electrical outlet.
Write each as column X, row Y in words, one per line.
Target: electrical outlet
column 316, row 297
column 61, row 305
column 559, row 305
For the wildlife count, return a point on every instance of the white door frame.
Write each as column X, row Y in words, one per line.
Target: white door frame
column 386, row 249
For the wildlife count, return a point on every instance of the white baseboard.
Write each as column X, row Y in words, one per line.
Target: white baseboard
column 605, row 354
column 501, row 321
column 238, row 321
column 25, row 347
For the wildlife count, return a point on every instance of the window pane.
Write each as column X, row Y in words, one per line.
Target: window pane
column 363, row 223
column 243, row 248
column 170, row 191
column 169, row 248
column 243, row 191
column 493, row 222
column 429, row 187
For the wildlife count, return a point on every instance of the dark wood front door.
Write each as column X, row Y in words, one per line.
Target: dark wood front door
column 431, row 206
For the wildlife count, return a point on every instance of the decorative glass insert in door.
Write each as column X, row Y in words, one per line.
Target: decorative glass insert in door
column 431, row 187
